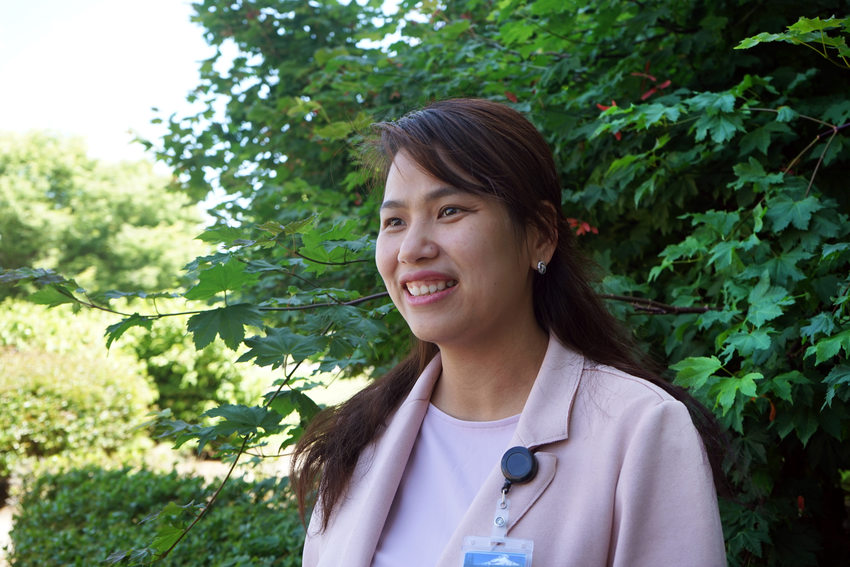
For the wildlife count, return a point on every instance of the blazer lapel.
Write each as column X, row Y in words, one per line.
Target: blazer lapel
column 380, row 476
column 544, row 419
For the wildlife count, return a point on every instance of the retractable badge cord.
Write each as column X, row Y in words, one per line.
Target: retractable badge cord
column 518, row 466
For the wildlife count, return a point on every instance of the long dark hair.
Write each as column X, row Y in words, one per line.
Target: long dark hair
column 487, row 148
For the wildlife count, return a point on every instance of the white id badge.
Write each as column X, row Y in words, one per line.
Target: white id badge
column 479, row 551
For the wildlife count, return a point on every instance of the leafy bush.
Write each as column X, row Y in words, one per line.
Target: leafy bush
column 85, row 516
column 28, row 326
column 68, row 408
column 189, row 380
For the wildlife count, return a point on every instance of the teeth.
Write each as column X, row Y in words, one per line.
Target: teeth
column 420, row 288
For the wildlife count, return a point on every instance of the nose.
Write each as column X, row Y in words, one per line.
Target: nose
column 417, row 245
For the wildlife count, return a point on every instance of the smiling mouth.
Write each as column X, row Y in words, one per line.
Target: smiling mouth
column 417, row 289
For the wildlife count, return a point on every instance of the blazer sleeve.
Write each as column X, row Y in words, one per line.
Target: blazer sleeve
column 666, row 503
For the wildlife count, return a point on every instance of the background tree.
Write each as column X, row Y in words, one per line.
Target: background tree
column 107, row 226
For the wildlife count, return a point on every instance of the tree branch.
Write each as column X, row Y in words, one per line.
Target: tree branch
column 655, row 307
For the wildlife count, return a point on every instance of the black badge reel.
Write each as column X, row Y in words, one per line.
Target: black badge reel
column 518, row 465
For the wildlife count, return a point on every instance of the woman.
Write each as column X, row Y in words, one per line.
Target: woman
column 513, row 348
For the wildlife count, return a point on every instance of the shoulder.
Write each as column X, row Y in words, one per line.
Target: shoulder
column 609, row 398
column 621, row 388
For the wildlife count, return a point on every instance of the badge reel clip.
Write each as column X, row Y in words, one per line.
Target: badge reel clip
column 518, row 466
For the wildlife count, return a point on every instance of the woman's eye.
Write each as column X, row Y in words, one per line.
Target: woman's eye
column 449, row 211
column 391, row 222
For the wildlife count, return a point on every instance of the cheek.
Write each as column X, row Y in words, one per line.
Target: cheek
column 385, row 257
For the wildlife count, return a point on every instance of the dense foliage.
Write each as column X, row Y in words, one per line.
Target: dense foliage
column 109, row 226
column 702, row 150
column 67, row 409
column 84, row 517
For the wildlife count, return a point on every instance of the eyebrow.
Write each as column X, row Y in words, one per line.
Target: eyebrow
column 434, row 195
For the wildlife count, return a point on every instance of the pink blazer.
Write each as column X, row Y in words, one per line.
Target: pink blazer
column 623, row 479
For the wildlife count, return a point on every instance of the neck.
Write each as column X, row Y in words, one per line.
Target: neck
column 490, row 380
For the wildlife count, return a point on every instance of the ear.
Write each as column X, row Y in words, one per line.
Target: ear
column 542, row 243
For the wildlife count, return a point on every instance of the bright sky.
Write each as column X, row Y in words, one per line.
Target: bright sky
column 94, row 68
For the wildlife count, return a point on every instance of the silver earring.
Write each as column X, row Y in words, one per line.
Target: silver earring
column 541, row 267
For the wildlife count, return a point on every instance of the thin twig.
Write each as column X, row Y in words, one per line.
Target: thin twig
column 343, row 263
column 820, row 160
column 335, row 304
column 800, row 155
column 655, row 307
column 804, row 116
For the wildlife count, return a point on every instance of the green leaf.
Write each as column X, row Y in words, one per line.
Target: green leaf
column 766, row 301
column 230, row 276
column 838, row 377
column 763, row 37
column 783, row 211
column 454, row 29
column 786, row 114
column 746, row 343
column 222, row 235
column 782, row 384
column 753, row 173
column 335, row 130
column 280, row 345
column 829, row 347
column 287, row 401
column 837, row 248
column 52, row 296
column 760, row 138
column 227, row 322
column 114, row 332
column 728, row 389
column 245, row 420
column 166, row 536
column 806, row 423
column 820, row 324
column 693, row 372
column 721, row 127
column 807, row 25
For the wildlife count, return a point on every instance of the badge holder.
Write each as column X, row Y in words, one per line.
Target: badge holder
column 518, row 466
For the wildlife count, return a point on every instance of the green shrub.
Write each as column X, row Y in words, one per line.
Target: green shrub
column 69, row 408
column 189, row 381
column 84, row 516
column 28, row 326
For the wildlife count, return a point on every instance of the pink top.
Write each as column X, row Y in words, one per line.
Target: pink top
column 449, row 462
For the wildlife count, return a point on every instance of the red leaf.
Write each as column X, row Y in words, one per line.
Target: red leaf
column 801, row 505
column 664, row 85
column 648, row 94
column 618, row 136
column 644, row 75
column 511, row 96
column 581, row 227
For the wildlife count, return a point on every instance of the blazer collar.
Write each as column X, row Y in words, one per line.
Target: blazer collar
column 554, row 388
column 381, row 469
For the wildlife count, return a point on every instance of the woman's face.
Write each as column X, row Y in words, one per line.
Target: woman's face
column 454, row 264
